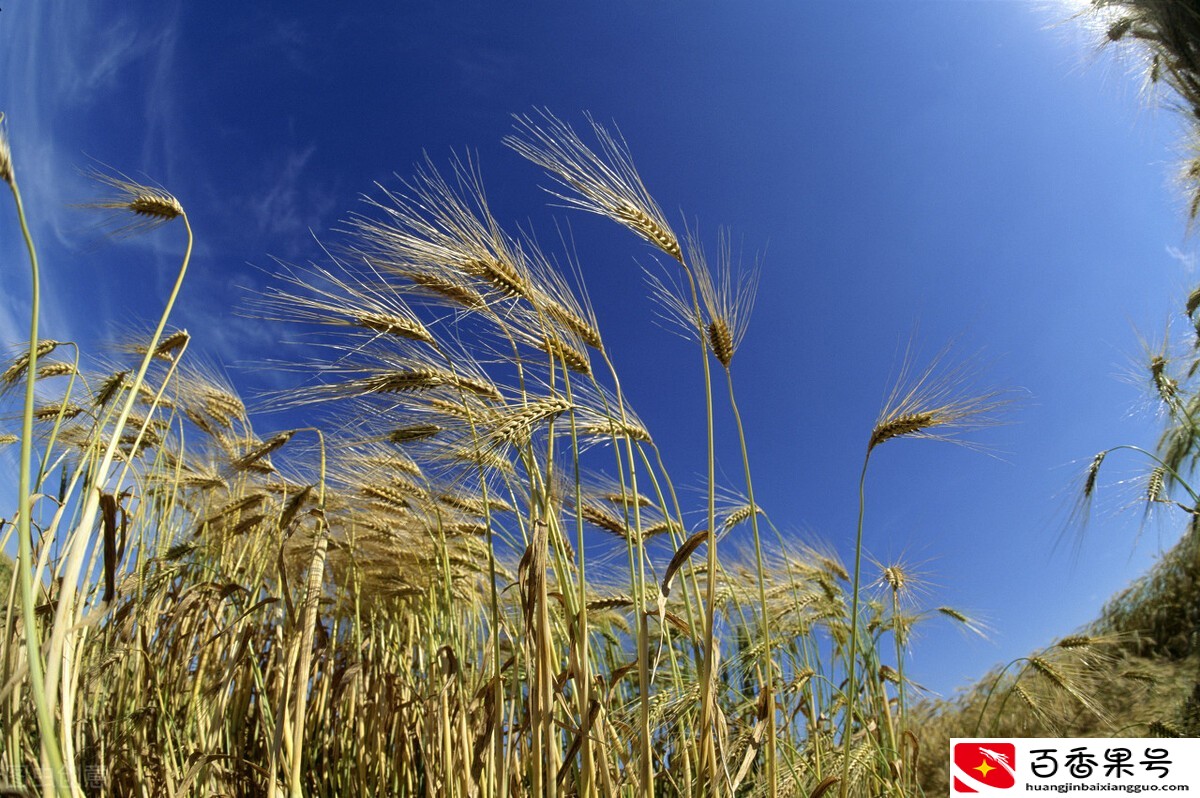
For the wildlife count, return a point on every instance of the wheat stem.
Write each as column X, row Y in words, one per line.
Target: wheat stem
column 51, row 754
column 63, row 621
column 852, row 655
column 768, row 665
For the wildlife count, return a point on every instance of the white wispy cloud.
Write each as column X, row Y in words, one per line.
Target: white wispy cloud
column 67, row 74
column 1186, row 259
column 288, row 38
column 59, row 65
column 62, row 67
column 279, row 208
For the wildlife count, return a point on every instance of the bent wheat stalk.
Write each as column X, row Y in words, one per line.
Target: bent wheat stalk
column 151, row 207
column 51, row 753
column 929, row 406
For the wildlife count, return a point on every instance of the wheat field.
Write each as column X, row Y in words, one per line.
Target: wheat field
column 467, row 570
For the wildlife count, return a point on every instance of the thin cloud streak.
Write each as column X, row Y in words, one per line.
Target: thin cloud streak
column 58, row 64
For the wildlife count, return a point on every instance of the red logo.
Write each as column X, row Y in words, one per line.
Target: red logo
column 983, row 765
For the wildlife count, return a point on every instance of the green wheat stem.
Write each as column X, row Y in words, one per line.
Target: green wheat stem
column 87, row 516
column 851, row 687
column 45, row 713
column 992, row 690
column 708, row 751
column 767, row 662
column 635, row 544
column 899, row 636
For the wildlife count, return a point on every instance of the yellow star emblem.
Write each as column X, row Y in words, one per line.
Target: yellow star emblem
column 984, row 768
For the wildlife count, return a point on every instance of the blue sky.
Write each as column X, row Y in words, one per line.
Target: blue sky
column 967, row 171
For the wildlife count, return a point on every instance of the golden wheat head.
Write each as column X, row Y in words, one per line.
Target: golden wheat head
column 604, row 182
column 6, row 166
column 149, row 207
column 934, row 405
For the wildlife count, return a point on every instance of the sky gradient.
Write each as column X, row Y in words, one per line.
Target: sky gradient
column 974, row 172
